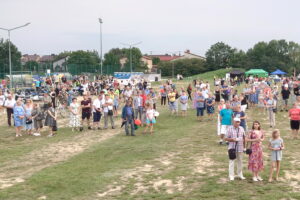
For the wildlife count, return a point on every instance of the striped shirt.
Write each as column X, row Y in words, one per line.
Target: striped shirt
column 233, row 132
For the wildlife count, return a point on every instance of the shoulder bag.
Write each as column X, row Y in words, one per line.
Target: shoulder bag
column 232, row 152
column 249, row 150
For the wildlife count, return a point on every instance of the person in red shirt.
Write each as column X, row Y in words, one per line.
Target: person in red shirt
column 294, row 115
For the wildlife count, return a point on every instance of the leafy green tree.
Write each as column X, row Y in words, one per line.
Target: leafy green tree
column 87, row 58
column 186, row 67
column 155, row 60
column 4, row 58
column 136, row 56
column 238, row 59
column 218, row 56
column 31, row 66
column 62, row 55
column 112, row 58
column 277, row 54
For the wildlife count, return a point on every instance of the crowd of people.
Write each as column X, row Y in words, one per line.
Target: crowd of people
column 88, row 101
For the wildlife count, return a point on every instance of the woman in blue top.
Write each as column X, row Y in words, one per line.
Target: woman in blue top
column 210, row 103
column 19, row 115
column 28, row 117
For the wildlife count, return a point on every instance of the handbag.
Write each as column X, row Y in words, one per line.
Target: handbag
column 54, row 127
column 110, row 112
column 249, row 150
column 28, row 121
column 232, row 152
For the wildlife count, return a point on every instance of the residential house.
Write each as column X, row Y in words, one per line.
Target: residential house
column 189, row 55
column 144, row 59
column 165, row 57
column 26, row 58
column 147, row 61
column 46, row 58
column 60, row 65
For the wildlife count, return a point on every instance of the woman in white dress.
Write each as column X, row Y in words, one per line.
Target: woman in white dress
column 74, row 115
column 184, row 103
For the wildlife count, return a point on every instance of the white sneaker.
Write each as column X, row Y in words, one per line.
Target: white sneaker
column 231, row 178
column 37, row 134
column 259, row 178
column 254, row 179
column 242, row 177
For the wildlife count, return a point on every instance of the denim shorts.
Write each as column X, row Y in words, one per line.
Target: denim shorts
column 200, row 111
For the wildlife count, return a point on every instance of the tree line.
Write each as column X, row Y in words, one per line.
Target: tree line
column 272, row 55
column 276, row 54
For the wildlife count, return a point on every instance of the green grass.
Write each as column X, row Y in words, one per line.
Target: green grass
column 181, row 149
column 220, row 73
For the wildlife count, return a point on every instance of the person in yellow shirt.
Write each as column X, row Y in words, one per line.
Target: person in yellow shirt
column 172, row 99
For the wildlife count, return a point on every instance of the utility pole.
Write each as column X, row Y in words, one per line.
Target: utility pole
column 101, row 60
column 130, row 52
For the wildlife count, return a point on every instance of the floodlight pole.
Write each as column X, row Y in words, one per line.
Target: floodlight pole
column 9, row 51
column 130, row 53
column 101, row 60
column 174, row 53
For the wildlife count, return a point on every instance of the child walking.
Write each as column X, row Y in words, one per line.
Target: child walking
column 276, row 146
column 150, row 119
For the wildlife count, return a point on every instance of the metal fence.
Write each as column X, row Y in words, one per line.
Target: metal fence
column 73, row 69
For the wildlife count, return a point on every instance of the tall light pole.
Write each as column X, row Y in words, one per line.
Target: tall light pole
column 130, row 47
column 9, row 51
column 174, row 53
column 101, row 62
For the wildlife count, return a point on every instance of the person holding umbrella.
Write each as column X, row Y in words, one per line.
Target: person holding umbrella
column 128, row 117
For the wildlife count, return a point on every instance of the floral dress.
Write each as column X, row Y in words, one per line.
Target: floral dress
column 255, row 163
column 74, row 119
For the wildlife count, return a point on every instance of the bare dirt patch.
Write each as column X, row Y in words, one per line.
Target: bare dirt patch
column 52, row 154
column 293, row 178
column 138, row 175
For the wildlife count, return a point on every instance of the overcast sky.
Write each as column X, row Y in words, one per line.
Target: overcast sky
column 161, row 25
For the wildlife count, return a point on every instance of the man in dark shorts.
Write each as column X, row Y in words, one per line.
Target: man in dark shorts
column 86, row 111
column 285, row 93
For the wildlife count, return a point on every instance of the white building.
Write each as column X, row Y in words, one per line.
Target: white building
column 59, row 65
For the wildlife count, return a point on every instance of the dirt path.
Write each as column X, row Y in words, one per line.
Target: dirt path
column 18, row 170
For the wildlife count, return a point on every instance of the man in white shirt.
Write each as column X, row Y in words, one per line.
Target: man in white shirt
column 97, row 108
column 108, row 112
column 9, row 104
column 127, row 93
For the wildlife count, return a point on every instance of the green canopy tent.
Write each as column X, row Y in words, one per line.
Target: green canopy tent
column 257, row 72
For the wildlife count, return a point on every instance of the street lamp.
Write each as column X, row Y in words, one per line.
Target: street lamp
column 174, row 53
column 130, row 47
column 9, row 51
column 101, row 62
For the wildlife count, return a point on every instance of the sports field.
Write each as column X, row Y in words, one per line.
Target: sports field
column 181, row 160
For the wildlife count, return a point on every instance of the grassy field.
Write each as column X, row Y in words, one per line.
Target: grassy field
column 182, row 160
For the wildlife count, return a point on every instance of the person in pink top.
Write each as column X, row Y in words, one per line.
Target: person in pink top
column 294, row 114
column 255, row 162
